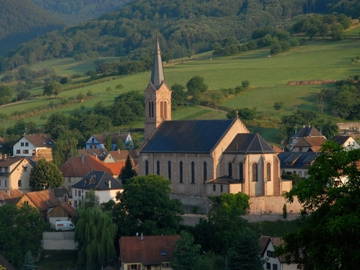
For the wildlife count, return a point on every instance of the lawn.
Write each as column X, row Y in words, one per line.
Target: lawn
column 268, row 77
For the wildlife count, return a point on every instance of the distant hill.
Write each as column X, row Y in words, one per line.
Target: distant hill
column 186, row 27
column 21, row 20
column 75, row 11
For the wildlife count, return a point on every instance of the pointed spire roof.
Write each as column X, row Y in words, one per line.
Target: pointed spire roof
column 157, row 72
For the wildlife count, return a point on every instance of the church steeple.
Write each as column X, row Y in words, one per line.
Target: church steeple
column 157, row 72
column 157, row 97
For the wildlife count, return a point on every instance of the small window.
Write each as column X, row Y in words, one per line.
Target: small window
column 255, row 172
column 214, row 187
column 146, row 167
column 22, row 144
column 268, row 266
column 158, row 167
column 26, row 144
column 205, row 172
column 230, row 169
column 270, row 253
column 18, row 151
column 169, row 170
column 181, row 169
column 25, row 151
column 275, row 267
column 19, row 183
column 268, row 171
column 221, row 188
column 241, row 172
column 192, row 172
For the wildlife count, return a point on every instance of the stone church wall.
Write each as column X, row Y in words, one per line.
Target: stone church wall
column 273, row 205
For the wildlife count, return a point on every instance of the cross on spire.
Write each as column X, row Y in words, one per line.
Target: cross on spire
column 157, row 72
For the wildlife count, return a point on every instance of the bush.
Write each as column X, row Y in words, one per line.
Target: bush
column 278, row 105
column 245, row 84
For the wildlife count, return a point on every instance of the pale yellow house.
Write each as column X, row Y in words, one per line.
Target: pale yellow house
column 15, row 173
column 203, row 158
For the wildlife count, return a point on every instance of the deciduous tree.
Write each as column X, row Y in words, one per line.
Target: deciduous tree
column 45, row 175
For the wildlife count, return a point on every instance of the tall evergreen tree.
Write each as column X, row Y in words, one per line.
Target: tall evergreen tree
column 127, row 172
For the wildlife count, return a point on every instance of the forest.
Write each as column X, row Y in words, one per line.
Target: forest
column 186, row 27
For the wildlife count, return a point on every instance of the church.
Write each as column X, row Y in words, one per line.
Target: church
column 203, row 158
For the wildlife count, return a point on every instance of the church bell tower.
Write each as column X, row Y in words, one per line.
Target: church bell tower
column 157, row 97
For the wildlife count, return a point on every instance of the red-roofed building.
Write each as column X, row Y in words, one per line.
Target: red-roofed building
column 147, row 252
column 75, row 168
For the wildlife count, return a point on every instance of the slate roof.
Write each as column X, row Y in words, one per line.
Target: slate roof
column 40, row 140
column 341, row 139
column 248, row 143
column 308, row 131
column 187, row 136
column 148, row 250
column 297, row 160
column 98, row 180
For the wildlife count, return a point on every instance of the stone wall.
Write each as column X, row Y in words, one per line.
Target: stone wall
column 59, row 241
column 273, row 205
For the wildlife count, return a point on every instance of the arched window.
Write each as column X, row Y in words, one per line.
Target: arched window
column 255, row 172
column 205, row 172
column 169, row 170
column 221, row 188
column 192, row 172
column 161, row 109
column 214, row 187
column 181, row 173
column 150, row 109
column 241, row 172
column 165, row 110
column 158, row 167
column 268, row 171
column 230, row 169
column 146, row 167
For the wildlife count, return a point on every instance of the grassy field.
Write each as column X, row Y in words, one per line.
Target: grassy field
column 268, row 77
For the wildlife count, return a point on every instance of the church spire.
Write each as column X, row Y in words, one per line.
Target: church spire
column 157, row 72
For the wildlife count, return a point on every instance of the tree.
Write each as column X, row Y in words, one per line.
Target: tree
column 95, row 234
column 147, row 208
column 52, row 88
column 331, row 226
column 45, row 175
column 245, row 84
column 278, row 105
column 5, row 94
column 20, row 231
column 65, row 147
column 186, row 253
column 179, row 95
column 127, row 172
column 196, row 85
column 29, row 262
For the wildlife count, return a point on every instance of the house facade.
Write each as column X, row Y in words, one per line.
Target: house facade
column 296, row 163
column 15, row 173
column 103, row 184
column 147, row 252
column 271, row 261
column 203, row 157
column 35, row 146
column 307, row 139
column 348, row 142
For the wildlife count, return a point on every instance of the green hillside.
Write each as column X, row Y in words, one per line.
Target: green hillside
column 268, row 77
column 21, row 20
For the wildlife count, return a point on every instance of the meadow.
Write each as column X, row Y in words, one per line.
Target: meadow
column 268, row 77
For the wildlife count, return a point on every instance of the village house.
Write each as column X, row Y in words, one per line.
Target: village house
column 34, row 146
column 347, row 142
column 147, row 252
column 296, row 163
column 113, row 141
column 271, row 261
column 61, row 212
column 103, row 184
column 204, row 157
column 15, row 173
column 75, row 168
column 307, row 139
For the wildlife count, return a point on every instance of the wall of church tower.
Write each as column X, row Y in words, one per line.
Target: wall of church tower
column 157, row 108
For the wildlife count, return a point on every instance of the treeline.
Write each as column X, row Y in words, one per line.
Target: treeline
column 343, row 100
column 186, row 27
column 21, row 20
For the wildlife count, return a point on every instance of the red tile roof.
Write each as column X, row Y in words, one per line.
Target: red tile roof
column 39, row 140
column 82, row 165
column 42, row 200
column 150, row 250
column 10, row 194
column 9, row 161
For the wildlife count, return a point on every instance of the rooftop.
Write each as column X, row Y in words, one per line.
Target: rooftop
column 98, row 180
column 247, row 143
column 187, row 136
column 149, row 250
column 297, row 160
column 308, row 131
column 40, row 140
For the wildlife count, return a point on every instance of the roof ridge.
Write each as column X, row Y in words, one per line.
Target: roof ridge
column 251, row 142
